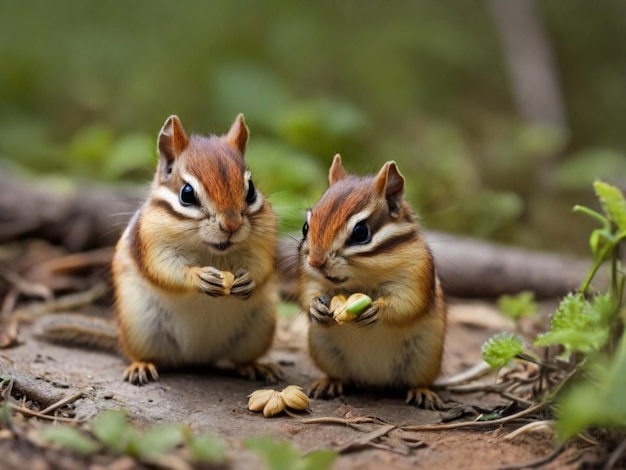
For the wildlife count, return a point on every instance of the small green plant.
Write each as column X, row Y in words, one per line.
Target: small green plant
column 501, row 349
column 517, row 306
column 284, row 456
column 588, row 326
column 113, row 431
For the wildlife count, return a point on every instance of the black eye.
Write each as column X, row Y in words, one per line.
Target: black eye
column 360, row 234
column 251, row 196
column 305, row 229
column 187, row 196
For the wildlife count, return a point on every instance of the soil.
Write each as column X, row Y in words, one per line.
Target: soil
column 215, row 402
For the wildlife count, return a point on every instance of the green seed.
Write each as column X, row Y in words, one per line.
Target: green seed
column 358, row 306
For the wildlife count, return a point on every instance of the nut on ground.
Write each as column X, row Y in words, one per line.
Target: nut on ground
column 273, row 402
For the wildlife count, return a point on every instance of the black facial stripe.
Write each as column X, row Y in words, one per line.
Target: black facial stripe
column 160, row 203
column 390, row 244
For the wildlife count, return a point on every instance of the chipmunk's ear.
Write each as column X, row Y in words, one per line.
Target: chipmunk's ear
column 336, row 172
column 390, row 185
column 238, row 134
column 172, row 141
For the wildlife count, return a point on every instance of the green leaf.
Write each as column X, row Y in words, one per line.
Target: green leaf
column 207, row 449
column 70, row 438
column 598, row 401
column 598, row 241
column 613, row 203
column 319, row 460
column 517, row 306
column 580, row 325
column 158, row 440
column 113, row 430
column 500, row 349
column 278, row 455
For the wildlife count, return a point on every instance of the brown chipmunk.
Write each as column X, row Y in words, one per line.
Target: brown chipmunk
column 193, row 272
column 362, row 237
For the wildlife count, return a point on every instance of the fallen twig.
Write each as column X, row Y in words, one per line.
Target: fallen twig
column 345, row 421
column 66, row 302
column 63, row 402
column 537, row 463
column 25, row 286
column 534, row 426
column 474, row 424
column 472, row 373
column 28, row 412
column 365, row 439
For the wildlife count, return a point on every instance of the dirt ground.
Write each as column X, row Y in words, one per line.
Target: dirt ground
column 215, row 403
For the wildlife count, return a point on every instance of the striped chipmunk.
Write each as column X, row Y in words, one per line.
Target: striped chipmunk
column 362, row 237
column 194, row 271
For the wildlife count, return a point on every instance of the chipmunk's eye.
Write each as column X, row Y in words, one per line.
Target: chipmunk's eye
column 251, row 196
column 187, row 196
column 360, row 234
column 305, row 229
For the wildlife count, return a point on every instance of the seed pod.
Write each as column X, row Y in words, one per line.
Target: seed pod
column 337, row 303
column 295, row 398
column 353, row 307
column 229, row 279
column 258, row 399
column 274, row 405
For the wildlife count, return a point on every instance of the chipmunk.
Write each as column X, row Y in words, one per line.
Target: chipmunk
column 362, row 237
column 193, row 273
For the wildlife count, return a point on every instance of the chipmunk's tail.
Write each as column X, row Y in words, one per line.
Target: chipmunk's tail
column 79, row 331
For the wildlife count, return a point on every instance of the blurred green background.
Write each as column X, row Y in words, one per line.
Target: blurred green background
column 85, row 87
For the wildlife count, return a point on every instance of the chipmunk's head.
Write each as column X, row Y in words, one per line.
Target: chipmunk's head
column 204, row 184
column 356, row 223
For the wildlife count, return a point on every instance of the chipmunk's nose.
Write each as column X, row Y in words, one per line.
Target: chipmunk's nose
column 317, row 260
column 230, row 223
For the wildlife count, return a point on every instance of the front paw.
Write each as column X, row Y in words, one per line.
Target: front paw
column 319, row 311
column 369, row 316
column 214, row 282
column 243, row 284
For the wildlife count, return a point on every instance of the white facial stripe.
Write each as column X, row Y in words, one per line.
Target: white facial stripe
column 163, row 193
column 258, row 203
column 197, row 187
column 356, row 218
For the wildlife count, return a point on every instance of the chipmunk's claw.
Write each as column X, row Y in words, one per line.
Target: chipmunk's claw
column 268, row 372
column 326, row 388
column 211, row 281
column 243, row 285
column 141, row 373
column 423, row 397
column 319, row 311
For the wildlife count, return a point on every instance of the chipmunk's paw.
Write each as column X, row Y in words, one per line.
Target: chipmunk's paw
column 140, row 373
column 268, row 372
column 319, row 311
column 423, row 397
column 213, row 282
column 326, row 388
column 369, row 316
column 243, row 284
